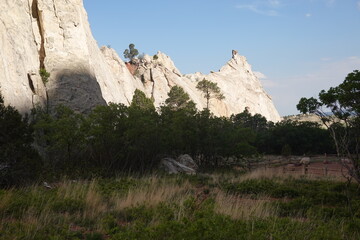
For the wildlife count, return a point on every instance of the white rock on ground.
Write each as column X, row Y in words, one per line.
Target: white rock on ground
column 187, row 160
column 173, row 167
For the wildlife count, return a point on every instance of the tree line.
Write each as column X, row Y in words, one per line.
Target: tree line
column 118, row 138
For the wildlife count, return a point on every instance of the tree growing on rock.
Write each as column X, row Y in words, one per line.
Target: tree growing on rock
column 210, row 90
column 131, row 53
column 344, row 123
column 179, row 99
column 141, row 101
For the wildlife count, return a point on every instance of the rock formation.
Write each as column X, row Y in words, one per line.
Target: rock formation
column 172, row 166
column 241, row 88
column 55, row 35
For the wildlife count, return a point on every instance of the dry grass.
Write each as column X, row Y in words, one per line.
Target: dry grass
column 241, row 208
column 279, row 174
column 94, row 202
column 153, row 193
column 6, row 199
column 74, row 189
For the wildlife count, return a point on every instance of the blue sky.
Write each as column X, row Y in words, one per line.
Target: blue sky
column 300, row 46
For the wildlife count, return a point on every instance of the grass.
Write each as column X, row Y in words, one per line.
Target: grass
column 257, row 205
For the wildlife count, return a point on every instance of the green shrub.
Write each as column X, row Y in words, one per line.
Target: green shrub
column 94, row 236
column 19, row 204
column 252, row 186
column 109, row 224
column 326, row 213
column 20, row 163
column 286, row 150
column 68, row 205
column 328, row 198
column 119, row 186
column 44, row 75
column 284, row 192
column 295, row 208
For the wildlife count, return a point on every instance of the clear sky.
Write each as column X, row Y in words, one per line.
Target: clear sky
column 300, row 46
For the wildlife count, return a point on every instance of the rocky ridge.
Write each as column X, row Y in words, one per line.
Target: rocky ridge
column 240, row 86
column 55, row 35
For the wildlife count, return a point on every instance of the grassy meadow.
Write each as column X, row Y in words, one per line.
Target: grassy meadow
column 262, row 204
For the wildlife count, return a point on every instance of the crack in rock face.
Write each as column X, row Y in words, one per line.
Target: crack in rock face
column 37, row 14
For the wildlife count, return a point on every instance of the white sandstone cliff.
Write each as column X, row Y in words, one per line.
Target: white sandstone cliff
column 241, row 88
column 55, row 35
column 20, row 82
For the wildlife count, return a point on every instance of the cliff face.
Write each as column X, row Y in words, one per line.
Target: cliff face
column 241, row 88
column 20, row 82
column 55, row 35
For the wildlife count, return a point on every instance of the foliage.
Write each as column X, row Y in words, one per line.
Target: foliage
column 131, row 53
column 286, row 150
column 302, row 138
column 344, row 123
column 257, row 123
column 210, row 90
column 141, row 101
column 44, row 75
column 17, row 155
column 179, row 99
column 117, row 138
column 62, row 135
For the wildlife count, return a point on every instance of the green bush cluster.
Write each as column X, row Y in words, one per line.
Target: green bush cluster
column 19, row 161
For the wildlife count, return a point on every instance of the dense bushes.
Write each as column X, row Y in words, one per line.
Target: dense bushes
column 298, row 137
column 19, row 162
column 118, row 138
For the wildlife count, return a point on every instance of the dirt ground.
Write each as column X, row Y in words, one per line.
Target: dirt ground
column 319, row 166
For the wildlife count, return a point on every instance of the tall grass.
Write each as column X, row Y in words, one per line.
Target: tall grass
column 151, row 194
column 97, row 206
column 243, row 208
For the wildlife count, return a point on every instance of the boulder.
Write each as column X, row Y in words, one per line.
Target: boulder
column 171, row 166
column 186, row 160
column 305, row 161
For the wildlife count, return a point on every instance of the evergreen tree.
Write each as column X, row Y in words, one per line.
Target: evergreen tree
column 131, row 53
column 141, row 101
column 210, row 90
column 179, row 99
